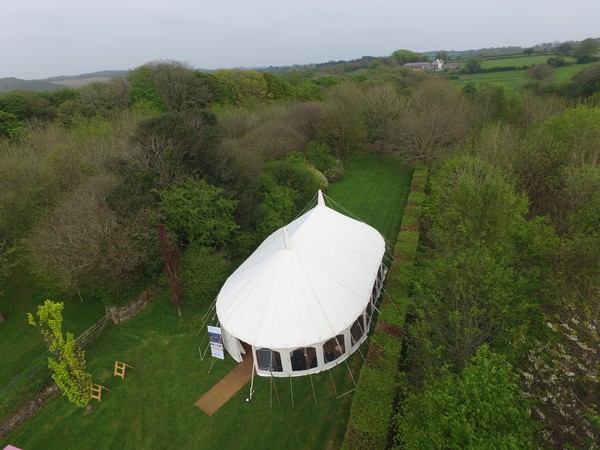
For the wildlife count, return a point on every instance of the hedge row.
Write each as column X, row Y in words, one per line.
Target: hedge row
column 373, row 403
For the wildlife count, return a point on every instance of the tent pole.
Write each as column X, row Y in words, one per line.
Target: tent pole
column 251, row 382
column 292, row 391
column 333, row 383
column 274, row 386
column 313, row 388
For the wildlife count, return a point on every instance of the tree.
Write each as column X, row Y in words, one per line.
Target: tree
column 247, row 85
column 481, row 408
column 174, row 146
column 66, row 362
column 540, row 72
column 171, row 256
column 473, row 65
column 528, row 51
column 405, row 56
column 198, row 212
column 585, row 83
column 586, row 50
column 561, row 375
column 86, row 247
column 341, row 125
column 168, row 86
column 10, row 126
column 434, row 119
column 382, row 107
column 202, row 274
column 443, row 55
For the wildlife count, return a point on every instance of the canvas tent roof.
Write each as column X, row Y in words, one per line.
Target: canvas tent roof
column 305, row 283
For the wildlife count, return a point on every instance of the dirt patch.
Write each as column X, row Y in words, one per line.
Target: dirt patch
column 391, row 329
column 409, row 228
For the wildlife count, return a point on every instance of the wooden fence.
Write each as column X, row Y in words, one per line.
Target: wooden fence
column 94, row 332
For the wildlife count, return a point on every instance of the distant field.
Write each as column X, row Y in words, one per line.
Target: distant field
column 520, row 61
column 510, row 81
column 514, row 79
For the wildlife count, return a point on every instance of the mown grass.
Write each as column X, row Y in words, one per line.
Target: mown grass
column 23, row 354
column 154, row 406
column 374, row 190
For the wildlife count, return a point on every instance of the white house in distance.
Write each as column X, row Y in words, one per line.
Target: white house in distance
column 303, row 301
column 425, row 66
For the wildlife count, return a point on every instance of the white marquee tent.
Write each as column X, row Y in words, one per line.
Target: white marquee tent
column 303, row 300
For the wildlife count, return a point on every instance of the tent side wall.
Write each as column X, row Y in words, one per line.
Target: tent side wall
column 321, row 356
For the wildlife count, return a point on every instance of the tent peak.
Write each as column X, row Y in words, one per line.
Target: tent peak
column 287, row 243
column 320, row 200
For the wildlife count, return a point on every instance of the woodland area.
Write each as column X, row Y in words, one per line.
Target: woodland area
column 170, row 174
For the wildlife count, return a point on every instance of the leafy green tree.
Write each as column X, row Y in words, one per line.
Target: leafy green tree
column 405, row 56
column 143, row 91
column 199, row 213
column 295, row 172
column 585, row 83
column 277, row 208
column 481, row 408
column 247, row 85
column 10, row 126
column 443, row 55
column 473, row 65
column 66, row 362
column 586, row 51
column 279, row 88
column 218, row 91
column 319, row 155
column 202, row 274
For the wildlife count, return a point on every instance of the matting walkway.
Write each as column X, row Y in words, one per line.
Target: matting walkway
column 226, row 388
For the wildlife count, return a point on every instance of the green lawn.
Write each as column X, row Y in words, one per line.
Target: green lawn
column 22, row 354
column 154, row 406
column 375, row 191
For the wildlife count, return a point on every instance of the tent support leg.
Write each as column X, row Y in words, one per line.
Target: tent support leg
column 275, row 387
column 313, row 388
column 251, row 384
column 292, row 391
column 333, row 383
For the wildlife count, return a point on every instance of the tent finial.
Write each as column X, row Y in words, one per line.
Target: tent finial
column 287, row 243
column 320, row 200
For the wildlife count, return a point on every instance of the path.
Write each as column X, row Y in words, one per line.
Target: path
column 226, row 388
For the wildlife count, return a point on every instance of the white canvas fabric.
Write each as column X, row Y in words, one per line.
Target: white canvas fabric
column 305, row 283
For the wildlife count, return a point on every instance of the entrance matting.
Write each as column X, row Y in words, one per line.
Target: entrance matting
column 226, row 388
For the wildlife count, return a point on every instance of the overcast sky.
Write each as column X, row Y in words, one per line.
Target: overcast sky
column 43, row 38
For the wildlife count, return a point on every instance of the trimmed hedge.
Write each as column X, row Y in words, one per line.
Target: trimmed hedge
column 372, row 407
